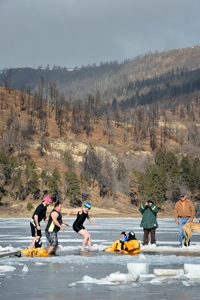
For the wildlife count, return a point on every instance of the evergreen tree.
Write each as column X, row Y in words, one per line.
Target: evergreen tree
column 56, row 174
column 172, row 166
column 84, row 181
column 44, row 178
column 153, row 184
column 30, row 166
column 106, row 179
column 7, row 166
column 194, row 177
column 175, row 191
column 34, row 184
column 160, row 159
column 16, row 183
column 53, row 183
column 92, row 165
column 196, row 168
column 69, row 162
column 121, row 171
column 185, row 166
column 73, row 188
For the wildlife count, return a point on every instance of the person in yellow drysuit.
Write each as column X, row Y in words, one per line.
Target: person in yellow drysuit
column 127, row 244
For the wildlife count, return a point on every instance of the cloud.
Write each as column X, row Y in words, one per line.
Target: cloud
column 80, row 32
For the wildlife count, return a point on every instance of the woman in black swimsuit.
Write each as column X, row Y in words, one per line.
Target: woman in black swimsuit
column 82, row 214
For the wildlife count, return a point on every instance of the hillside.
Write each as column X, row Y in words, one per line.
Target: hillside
column 56, row 145
column 149, row 103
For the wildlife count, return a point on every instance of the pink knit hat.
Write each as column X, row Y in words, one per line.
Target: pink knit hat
column 47, row 199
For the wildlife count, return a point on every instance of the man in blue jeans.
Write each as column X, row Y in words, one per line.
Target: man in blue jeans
column 184, row 213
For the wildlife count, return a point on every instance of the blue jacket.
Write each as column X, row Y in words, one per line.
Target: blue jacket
column 149, row 216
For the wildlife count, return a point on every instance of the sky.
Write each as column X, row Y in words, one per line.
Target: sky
column 70, row 33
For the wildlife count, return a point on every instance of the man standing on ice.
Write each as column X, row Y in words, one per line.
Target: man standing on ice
column 149, row 222
column 183, row 213
column 39, row 215
column 55, row 223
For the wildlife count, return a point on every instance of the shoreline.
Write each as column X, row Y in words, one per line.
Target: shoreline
column 19, row 210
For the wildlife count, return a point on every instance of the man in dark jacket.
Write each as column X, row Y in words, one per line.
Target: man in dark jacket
column 149, row 222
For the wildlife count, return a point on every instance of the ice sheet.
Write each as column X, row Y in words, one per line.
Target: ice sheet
column 71, row 272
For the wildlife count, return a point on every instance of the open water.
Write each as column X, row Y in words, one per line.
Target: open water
column 74, row 275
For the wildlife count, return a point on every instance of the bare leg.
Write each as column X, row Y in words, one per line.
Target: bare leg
column 32, row 244
column 51, row 249
column 87, row 239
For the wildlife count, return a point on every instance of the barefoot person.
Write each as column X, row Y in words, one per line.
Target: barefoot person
column 54, row 225
column 39, row 215
column 82, row 214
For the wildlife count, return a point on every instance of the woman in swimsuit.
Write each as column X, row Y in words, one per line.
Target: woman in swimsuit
column 82, row 214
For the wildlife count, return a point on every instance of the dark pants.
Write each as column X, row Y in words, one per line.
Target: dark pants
column 34, row 230
column 152, row 232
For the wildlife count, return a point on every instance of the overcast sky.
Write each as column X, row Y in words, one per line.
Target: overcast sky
column 71, row 33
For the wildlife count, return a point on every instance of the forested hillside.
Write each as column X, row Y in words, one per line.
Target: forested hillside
column 117, row 133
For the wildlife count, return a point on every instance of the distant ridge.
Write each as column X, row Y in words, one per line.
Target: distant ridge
column 111, row 79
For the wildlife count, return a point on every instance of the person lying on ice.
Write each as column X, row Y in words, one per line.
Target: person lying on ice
column 127, row 244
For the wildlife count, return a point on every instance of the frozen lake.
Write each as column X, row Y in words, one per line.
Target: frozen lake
column 75, row 275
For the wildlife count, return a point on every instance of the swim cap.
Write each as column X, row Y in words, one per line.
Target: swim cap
column 47, row 199
column 87, row 205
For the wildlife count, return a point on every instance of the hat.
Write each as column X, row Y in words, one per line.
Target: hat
column 87, row 205
column 47, row 199
column 150, row 201
column 131, row 235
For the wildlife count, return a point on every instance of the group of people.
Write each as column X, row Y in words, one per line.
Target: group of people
column 126, row 244
column 55, row 223
column 184, row 212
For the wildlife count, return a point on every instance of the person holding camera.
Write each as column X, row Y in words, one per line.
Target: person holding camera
column 149, row 222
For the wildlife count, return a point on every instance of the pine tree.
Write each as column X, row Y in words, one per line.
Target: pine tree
column 53, row 182
column 172, row 166
column 185, row 166
column 92, row 165
column 160, row 159
column 153, row 184
column 121, row 171
column 44, row 178
column 69, row 161
column 34, row 184
column 73, row 188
